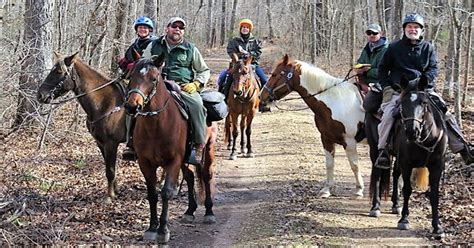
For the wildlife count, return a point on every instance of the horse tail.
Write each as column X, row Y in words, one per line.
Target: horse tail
column 421, row 177
column 205, row 175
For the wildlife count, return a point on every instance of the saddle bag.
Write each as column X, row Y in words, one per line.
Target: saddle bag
column 216, row 107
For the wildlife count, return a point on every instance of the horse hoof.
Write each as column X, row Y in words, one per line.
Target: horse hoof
column 397, row 210
column 149, row 236
column 187, row 218
column 229, row 148
column 324, row 194
column 107, row 200
column 250, row 155
column 403, row 226
column 209, row 219
column 163, row 238
column 439, row 235
column 374, row 213
column 233, row 157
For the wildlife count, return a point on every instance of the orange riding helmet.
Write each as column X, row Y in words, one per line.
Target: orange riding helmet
column 246, row 21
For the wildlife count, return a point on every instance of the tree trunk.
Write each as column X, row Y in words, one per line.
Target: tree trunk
column 468, row 58
column 120, row 27
column 38, row 26
column 223, row 17
column 232, row 17
column 210, row 24
column 352, row 33
column 271, row 34
column 150, row 9
column 448, row 76
column 456, row 76
column 314, row 28
column 397, row 19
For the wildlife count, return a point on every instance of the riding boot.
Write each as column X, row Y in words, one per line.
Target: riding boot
column 456, row 140
column 129, row 153
column 383, row 161
column 262, row 108
column 196, row 155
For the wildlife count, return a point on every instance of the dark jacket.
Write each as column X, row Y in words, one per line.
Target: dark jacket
column 251, row 45
column 406, row 61
column 373, row 58
column 139, row 45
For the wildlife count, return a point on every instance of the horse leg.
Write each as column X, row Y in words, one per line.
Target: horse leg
column 403, row 223
column 208, row 182
column 329, row 150
column 149, row 172
column 434, row 177
column 396, row 209
column 192, row 205
column 243, row 128
column 109, row 153
column 248, row 132
column 351, row 153
column 167, row 192
column 227, row 127
column 235, row 133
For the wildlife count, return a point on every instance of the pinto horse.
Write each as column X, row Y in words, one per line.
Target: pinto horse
column 337, row 108
column 102, row 100
column 160, row 139
column 242, row 101
column 420, row 140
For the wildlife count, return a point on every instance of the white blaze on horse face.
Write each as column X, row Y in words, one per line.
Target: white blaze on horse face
column 413, row 97
column 144, row 71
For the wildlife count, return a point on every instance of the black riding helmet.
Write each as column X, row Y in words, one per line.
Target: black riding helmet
column 413, row 18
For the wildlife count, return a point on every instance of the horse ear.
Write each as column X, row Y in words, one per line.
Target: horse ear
column 286, row 58
column 158, row 59
column 71, row 59
column 248, row 60
column 235, row 58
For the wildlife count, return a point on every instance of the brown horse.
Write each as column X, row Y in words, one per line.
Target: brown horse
column 160, row 139
column 242, row 101
column 102, row 100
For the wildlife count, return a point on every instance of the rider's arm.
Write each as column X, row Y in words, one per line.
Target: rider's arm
column 202, row 71
column 257, row 50
column 384, row 68
column 232, row 47
column 431, row 71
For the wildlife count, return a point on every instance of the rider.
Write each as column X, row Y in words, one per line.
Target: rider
column 185, row 66
column 413, row 58
column 244, row 45
column 372, row 55
column 144, row 29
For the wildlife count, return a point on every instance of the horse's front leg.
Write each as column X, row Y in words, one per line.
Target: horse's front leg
column 329, row 150
column 434, row 177
column 235, row 133
column 351, row 153
column 396, row 209
column 149, row 172
column 228, row 132
column 403, row 223
column 192, row 204
column 243, row 125
column 248, row 132
column 208, row 175
column 109, row 152
column 167, row 192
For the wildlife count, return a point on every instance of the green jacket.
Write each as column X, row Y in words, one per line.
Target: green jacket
column 373, row 58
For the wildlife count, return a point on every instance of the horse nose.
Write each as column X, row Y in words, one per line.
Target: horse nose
column 132, row 110
column 239, row 93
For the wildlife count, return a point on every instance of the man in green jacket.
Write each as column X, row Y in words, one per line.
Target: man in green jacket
column 371, row 56
column 185, row 66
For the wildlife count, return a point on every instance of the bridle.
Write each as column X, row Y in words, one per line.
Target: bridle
column 286, row 84
column 246, row 81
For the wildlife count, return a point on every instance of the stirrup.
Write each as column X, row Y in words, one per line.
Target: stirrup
column 195, row 157
column 383, row 161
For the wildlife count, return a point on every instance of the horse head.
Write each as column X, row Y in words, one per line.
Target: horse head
column 243, row 78
column 60, row 80
column 413, row 108
column 145, row 78
column 280, row 82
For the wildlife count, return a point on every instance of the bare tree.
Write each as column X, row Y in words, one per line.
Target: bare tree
column 150, row 9
column 223, row 21
column 232, row 16
column 39, row 42
column 271, row 34
column 120, row 29
column 468, row 56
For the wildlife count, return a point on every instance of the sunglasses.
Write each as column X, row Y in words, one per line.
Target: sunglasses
column 368, row 32
column 177, row 25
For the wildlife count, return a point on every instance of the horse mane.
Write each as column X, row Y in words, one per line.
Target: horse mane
column 316, row 80
column 91, row 71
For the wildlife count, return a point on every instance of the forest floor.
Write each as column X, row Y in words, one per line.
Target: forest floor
column 54, row 195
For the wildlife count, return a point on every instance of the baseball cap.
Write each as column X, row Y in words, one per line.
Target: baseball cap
column 374, row 28
column 176, row 19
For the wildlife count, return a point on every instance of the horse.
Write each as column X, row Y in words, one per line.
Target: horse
column 160, row 140
column 243, row 101
column 101, row 98
column 420, row 140
column 337, row 108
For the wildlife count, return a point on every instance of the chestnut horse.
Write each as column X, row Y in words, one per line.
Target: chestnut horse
column 337, row 108
column 242, row 101
column 102, row 100
column 160, row 140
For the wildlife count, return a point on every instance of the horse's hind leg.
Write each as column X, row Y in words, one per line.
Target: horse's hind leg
column 434, row 177
column 243, row 126
column 351, row 153
column 228, row 132
column 109, row 152
column 192, row 205
column 403, row 223
column 248, row 133
column 235, row 133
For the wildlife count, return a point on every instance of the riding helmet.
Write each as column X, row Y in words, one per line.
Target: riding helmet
column 246, row 21
column 413, row 18
column 144, row 21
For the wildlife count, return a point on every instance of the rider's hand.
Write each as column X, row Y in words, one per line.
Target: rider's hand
column 362, row 70
column 387, row 94
column 191, row 87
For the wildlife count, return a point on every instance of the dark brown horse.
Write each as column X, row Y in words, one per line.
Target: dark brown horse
column 242, row 101
column 102, row 100
column 160, row 140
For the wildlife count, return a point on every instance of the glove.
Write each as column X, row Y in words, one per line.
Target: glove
column 123, row 62
column 387, row 94
column 191, row 87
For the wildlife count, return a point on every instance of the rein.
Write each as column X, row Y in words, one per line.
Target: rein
column 146, row 101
